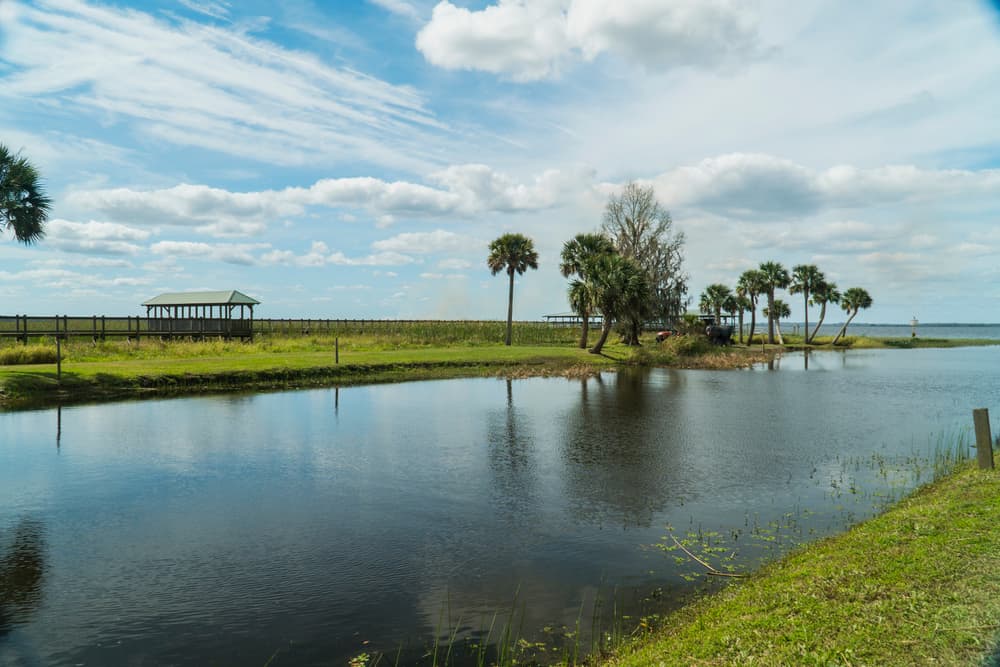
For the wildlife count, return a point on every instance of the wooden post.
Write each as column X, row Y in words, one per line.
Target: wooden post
column 58, row 360
column 336, row 350
column 984, row 442
column 103, row 327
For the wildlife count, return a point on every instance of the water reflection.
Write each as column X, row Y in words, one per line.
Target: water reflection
column 620, row 465
column 22, row 566
column 511, row 442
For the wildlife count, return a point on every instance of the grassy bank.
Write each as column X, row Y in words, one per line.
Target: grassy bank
column 117, row 369
column 915, row 585
column 870, row 343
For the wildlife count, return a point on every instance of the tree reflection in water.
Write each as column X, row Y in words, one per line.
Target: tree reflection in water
column 22, row 566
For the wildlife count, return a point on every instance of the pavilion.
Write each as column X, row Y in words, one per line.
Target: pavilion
column 226, row 313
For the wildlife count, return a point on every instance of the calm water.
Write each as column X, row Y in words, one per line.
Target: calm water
column 320, row 524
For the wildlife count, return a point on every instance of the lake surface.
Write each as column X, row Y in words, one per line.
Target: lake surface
column 315, row 525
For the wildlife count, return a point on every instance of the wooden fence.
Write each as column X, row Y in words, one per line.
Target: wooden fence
column 101, row 327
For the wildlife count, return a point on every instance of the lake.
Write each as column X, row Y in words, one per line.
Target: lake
column 311, row 526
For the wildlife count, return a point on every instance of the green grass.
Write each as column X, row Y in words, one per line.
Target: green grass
column 118, row 369
column 870, row 343
column 916, row 585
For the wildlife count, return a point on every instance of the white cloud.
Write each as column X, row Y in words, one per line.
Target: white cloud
column 376, row 259
column 209, row 86
column 463, row 190
column 102, row 238
column 425, row 243
column 747, row 185
column 442, row 276
column 240, row 254
column 215, row 10
column 532, row 39
column 454, row 264
column 399, row 7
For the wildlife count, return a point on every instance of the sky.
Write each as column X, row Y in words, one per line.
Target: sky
column 354, row 159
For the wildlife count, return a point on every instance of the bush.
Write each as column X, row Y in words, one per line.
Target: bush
column 27, row 354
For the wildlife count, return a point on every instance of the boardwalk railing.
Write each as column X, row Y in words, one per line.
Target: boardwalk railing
column 100, row 327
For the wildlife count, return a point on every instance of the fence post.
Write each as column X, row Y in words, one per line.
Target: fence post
column 984, row 442
column 103, row 327
column 58, row 360
column 336, row 350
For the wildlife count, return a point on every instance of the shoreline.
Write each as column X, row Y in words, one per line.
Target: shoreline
column 186, row 369
column 915, row 584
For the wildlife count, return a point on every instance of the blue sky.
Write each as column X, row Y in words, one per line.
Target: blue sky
column 354, row 159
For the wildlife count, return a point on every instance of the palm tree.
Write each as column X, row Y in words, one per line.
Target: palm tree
column 513, row 253
column 620, row 289
column 24, row 208
column 751, row 286
column 741, row 304
column 713, row 299
column 577, row 254
column 777, row 313
column 853, row 300
column 805, row 279
column 775, row 277
column 823, row 293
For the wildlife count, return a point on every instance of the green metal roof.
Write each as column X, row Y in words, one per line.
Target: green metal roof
column 220, row 298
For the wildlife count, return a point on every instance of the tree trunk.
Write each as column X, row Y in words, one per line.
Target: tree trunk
column 585, row 329
column 605, row 330
column 741, row 326
column 510, row 305
column 822, row 315
column 805, row 330
column 770, row 316
column 753, row 320
column 843, row 329
column 777, row 330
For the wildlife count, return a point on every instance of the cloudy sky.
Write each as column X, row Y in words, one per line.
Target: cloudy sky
column 355, row 158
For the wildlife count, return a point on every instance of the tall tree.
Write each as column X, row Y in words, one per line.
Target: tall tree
column 620, row 289
column 779, row 311
column 775, row 277
column 642, row 230
column 714, row 299
column 824, row 293
column 24, row 207
column 741, row 305
column 751, row 286
column 513, row 253
column 805, row 279
column 577, row 255
column 853, row 300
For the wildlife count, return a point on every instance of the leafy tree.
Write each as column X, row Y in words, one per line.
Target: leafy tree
column 805, row 279
column 750, row 286
column 577, row 255
column 853, row 300
column 620, row 289
column 714, row 299
column 823, row 293
column 24, row 208
column 775, row 277
column 779, row 311
column 642, row 230
column 513, row 253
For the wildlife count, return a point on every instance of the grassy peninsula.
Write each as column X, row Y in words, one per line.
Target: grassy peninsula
column 916, row 585
column 118, row 369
